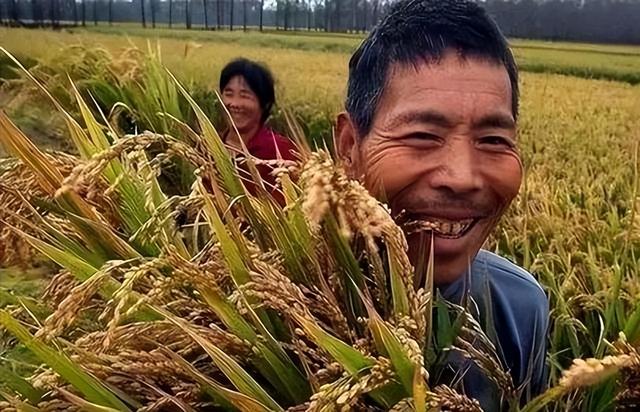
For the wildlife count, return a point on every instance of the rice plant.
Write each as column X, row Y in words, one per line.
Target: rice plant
column 220, row 299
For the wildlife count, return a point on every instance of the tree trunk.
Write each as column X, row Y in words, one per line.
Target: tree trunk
column 95, row 12
column 308, row 15
column 261, row 12
column 142, row 15
column 53, row 12
column 75, row 13
column 170, row 13
column 110, row 12
column 218, row 15
column 13, row 12
column 187, row 14
column 153, row 13
column 206, row 15
column 364, row 22
column 286, row 15
column 326, row 15
column 354, row 16
column 34, row 13
column 84, row 13
column 244, row 15
column 375, row 11
column 231, row 19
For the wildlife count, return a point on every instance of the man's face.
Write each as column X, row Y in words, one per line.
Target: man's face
column 441, row 150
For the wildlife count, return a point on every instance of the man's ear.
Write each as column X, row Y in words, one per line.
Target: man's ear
column 346, row 140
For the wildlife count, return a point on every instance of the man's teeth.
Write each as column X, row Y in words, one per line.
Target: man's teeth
column 441, row 227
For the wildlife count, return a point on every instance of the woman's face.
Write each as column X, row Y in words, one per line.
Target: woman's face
column 243, row 105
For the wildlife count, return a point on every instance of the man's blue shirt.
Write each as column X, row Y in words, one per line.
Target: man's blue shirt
column 508, row 297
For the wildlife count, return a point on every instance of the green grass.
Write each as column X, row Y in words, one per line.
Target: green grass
column 16, row 282
column 615, row 62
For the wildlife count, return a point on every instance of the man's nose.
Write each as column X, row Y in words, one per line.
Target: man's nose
column 458, row 169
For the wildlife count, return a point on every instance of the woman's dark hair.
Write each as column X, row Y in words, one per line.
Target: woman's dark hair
column 257, row 76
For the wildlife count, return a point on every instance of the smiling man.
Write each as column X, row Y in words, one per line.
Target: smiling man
column 430, row 127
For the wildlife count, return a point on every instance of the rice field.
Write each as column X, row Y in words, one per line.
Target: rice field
column 576, row 223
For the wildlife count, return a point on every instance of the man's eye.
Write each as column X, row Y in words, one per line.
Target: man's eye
column 497, row 141
column 423, row 136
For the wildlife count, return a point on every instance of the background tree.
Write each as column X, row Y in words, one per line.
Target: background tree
column 36, row 13
column 244, row 15
column 75, row 12
column 52, row 12
column 152, row 3
column 187, row 13
column 287, row 4
column 13, row 12
column 219, row 14
column 142, row 15
column 206, row 14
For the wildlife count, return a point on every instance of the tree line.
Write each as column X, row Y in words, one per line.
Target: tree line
column 611, row 21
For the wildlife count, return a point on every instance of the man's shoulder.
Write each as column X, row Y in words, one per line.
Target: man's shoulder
column 515, row 308
column 509, row 288
column 502, row 272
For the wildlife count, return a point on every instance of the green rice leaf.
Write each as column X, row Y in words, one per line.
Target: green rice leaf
column 419, row 392
column 350, row 358
column 227, row 365
column 87, row 384
column 16, row 383
column 271, row 361
column 388, row 344
column 17, row 144
column 78, row 136
column 18, row 404
column 230, row 250
column 93, row 230
column 224, row 397
column 398, row 288
column 84, row 405
column 632, row 326
column 213, row 142
column 78, row 267
column 286, row 377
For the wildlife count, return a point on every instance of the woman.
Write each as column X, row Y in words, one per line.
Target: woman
column 248, row 94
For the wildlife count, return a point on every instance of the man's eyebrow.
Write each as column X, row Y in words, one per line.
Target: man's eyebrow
column 495, row 121
column 420, row 116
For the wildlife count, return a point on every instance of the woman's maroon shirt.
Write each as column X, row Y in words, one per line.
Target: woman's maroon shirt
column 269, row 145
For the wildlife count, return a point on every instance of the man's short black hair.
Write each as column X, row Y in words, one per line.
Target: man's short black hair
column 257, row 76
column 421, row 31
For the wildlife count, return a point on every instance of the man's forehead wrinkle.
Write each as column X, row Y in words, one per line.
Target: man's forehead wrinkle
column 424, row 116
